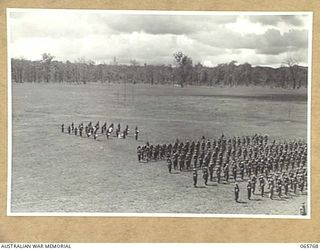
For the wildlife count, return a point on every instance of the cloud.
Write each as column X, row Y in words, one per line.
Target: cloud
column 71, row 24
column 271, row 42
column 275, row 19
column 152, row 39
column 49, row 24
column 275, row 43
column 164, row 24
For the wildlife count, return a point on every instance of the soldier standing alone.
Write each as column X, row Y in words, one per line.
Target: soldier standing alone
column 195, row 177
column 136, row 133
column 236, row 192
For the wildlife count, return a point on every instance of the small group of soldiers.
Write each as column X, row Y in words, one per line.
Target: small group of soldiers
column 90, row 130
column 255, row 159
column 281, row 183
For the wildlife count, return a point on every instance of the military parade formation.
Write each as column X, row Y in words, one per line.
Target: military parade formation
column 268, row 168
column 273, row 167
column 89, row 130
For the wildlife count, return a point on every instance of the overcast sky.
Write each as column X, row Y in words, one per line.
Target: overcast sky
column 153, row 38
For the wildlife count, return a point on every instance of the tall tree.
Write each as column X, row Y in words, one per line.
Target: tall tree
column 293, row 65
column 184, row 67
column 46, row 64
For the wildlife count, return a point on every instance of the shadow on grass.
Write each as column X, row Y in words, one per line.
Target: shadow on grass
column 279, row 199
column 212, row 185
column 200, row 187
column 242, row 202
column 225, row 183
column 256, row 199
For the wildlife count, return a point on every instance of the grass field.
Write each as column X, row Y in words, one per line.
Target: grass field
column 56, row 172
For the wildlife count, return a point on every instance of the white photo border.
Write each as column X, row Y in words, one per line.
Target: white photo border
column 153, row 12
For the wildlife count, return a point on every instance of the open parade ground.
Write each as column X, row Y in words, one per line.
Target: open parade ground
column 60, row 172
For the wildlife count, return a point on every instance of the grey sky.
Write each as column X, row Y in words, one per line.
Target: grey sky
column 153, row 38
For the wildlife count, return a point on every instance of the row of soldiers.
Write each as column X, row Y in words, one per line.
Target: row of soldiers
column 279, row 164
column 248, row 154
column 302, row 209
column 280, row 182
column 90, row 130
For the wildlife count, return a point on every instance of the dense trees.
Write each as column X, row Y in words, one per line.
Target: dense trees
column 184, row 72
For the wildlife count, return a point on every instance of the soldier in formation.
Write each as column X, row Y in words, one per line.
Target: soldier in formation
column 272, row 166
column 93, row 131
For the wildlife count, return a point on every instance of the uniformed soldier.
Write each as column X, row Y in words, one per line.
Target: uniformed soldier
column 286, row 185
column 195, row 177
column 97, row 126
column 301, row 184
column 262, row 184
column 195, row 159
column 295, row 184
column 139, row 153
column 253, row 183
column 104, row 127
column 201, row 159
column 117, row 133
column 75, row 131
column 218, row 172
column 279, row 187
column 205, row 176
column 181, row 162
column 249, row 189
column 303, row 210
column 234, row 172
column 69, row 130
column 203, row 144
column 242, row 170
column 271, row 190
column 87, row 131
column 62, row 128
column 175, row 161
column 136, row 134
column 226, row 173
column 169, row 162
column 211, row 171
column 143, row 153
column 236, row 192
column 188, row 161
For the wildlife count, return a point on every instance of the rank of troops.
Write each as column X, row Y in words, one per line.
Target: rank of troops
column 277, row 166
column 89, row 130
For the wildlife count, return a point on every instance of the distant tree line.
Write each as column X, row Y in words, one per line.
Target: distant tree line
column 184, row 72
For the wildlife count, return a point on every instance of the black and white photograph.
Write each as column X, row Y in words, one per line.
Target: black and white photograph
column 159, row 113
